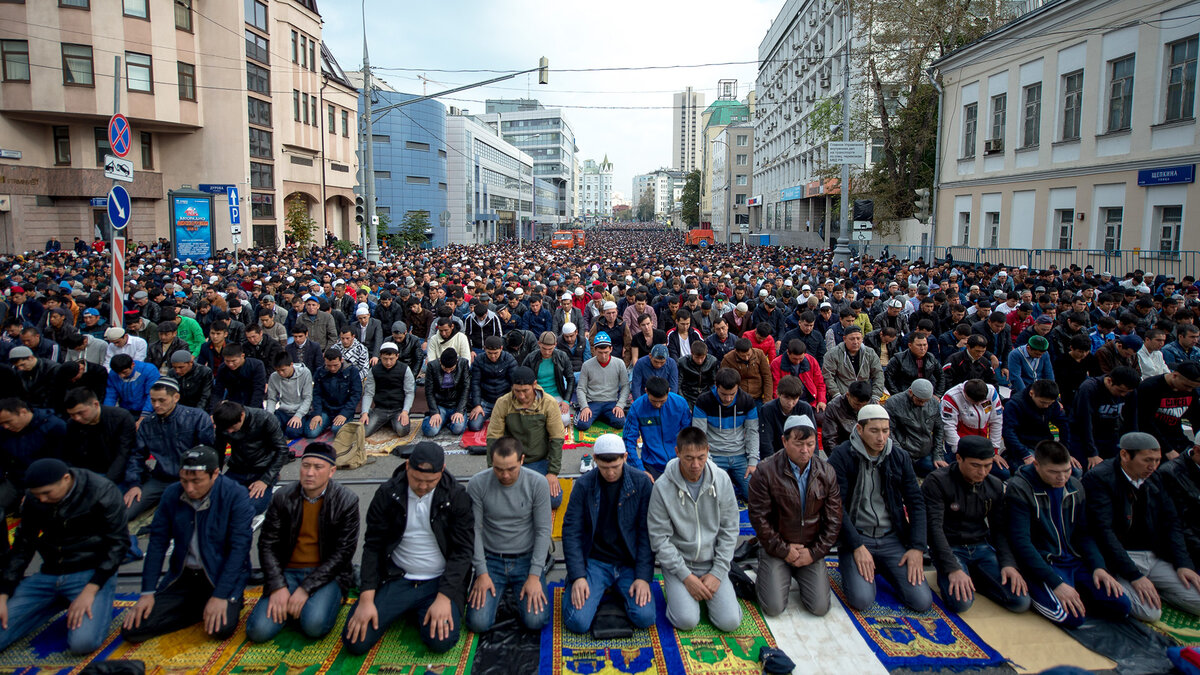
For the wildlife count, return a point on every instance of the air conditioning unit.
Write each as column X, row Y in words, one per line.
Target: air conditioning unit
column 797, row 140
column 787, row 116
column 812, row 19
column 826, row 71
column 825, row 82
column 797, row 107
column 994, row 146
column 819, row 47
column 804, row 66
column 810, row 97
column 779, row 84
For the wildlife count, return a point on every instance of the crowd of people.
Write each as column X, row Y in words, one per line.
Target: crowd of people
column 1007, row 423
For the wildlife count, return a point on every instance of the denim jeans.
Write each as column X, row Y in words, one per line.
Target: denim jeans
column 735, row 466
column 401, row 596
column 326, row 421
column 283, row 416
column 923, row 466
column 508, row 574
column 40, row 596
column 602, row 576
column 542, row 466
column 979, row 561
column 263, row 501
column 430, row 431
column 316, row 617
column 887, row 552
column 601, row 411
column 477, row 423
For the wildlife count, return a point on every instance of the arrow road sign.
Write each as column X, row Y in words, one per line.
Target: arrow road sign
column 119, row 207
column 235, row 208
column 118, row 169
column 119, row 135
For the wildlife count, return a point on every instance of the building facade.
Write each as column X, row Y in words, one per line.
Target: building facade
column 732, row 181
column 685, row 129
column 1073, row 127
column 723, row 112
column 595, row 191
column 667, row 187
column 187, row 83
column 547, row 137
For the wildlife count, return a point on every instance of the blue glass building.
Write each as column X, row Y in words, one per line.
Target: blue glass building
column 410, row 161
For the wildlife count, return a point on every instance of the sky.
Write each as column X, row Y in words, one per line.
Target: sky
column 511, row 35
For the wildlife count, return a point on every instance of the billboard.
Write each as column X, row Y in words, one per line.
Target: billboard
column 191, row 225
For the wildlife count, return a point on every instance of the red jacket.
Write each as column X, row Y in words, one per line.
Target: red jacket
column 812, row 379
column 1018, row 325
column 767, row 346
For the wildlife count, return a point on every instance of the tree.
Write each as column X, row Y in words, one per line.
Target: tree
column 298, row 225
column 645, row 207
column 691, row 200
column 411, row 231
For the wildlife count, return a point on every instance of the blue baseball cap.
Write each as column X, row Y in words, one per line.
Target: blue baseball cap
column 602, row 338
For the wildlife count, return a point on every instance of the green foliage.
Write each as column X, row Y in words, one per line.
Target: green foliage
column 299, row 227
column 691, row 200
column 411, row 232
column 344, row 246
column 645, row 207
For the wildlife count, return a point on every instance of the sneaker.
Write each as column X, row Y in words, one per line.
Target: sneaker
column 586, row 464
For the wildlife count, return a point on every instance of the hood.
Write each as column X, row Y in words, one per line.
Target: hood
column 860, row 450
column 297, row 369
column 672, row 474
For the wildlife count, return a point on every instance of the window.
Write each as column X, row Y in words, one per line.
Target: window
column 262, row 206
column 999, row 115
column 62, row 146
column 138, row 9
column 260, row 111
column 100, row 138
column 80, row 4
column 1181, row 79
column 346, row 123
column 139, row 72
column 380, row 138
column 312, row 103
column 964, row 228
column 303, row 51
column 1113, row 218
column 383, row 175
column 183, row 15
column 16, row 60
column 256, row 14
column 739, row 199
column 741, row 179
column 1170, row 221
column 296, row 104
column 743, row 140
column 742, row 160
column 1120, row 94
column 303, row 108
column 332, row 123
column 295, row 39
column 970, row 119
column 77, row 65
column 257, row 47
column 992, row 218
column 147, row 150
column 262, row 175
column 1065, row 221
column 414, row 145
column 1031, row 134
column 260, row 143
column 312, row 55
column 187, row 81
column 416, row 180
column 258, row 79
column 1072, row 105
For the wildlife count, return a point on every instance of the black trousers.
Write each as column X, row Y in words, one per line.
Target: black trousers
column 181, row 605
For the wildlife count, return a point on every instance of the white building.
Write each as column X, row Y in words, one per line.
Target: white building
column 667, row 187
column 595, row 190
column 685, row 129
column 1074, row 128
column 546, row 135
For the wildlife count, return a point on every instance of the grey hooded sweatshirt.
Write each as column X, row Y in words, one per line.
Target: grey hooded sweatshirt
column 693, row 534
column 293, row 394
column 868, row 510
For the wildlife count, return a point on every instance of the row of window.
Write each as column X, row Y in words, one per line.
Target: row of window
column 1116, row 106
column 78, row 68
column 140, row 9
column 304, row 51
column 304, row 111
column 1168, row 226
column 61, row 142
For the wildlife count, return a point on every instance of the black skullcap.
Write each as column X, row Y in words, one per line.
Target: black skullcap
column 45, row 471
column 976, row 447
column 522, row 375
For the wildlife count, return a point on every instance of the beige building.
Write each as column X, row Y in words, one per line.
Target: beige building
column 1071, row 128
column 732, row 180
column 231, row 92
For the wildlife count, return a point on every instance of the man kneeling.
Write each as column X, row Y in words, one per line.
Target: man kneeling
column 306, row 549
column 605, row 539
column 693, row 525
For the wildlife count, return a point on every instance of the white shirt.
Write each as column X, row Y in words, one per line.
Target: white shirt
column 135, row 347
column 418, row 553
column 1151, row 363
column 685, row 347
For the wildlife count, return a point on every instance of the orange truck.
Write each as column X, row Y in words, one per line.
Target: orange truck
column 701, row 238
column 562, row 239
column 580, row 239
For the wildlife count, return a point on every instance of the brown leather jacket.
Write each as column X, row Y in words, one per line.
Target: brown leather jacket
column 755, row 372
column 775, row 507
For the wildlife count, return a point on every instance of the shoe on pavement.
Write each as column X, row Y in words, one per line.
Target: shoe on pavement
column 586, row 464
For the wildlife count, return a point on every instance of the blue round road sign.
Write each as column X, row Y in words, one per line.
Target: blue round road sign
column 119, row 207
column 119, row 135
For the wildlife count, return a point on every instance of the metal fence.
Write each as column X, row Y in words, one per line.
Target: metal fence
column 1119, row 262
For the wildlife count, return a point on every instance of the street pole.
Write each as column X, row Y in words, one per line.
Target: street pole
column 117, row 304
column 372, row 250
column 843, row 241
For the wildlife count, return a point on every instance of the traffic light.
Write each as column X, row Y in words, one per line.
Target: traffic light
column 360, row 210
column 544, row 71
column 921, row 209
column 864, row 210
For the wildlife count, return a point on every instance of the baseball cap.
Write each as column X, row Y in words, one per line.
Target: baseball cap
column 114, row 333
column 659, row 352
column 399, row 327
column 610, row 445
column 91, row 311
column 601, row 338
column 200, row 458
column 427, row 457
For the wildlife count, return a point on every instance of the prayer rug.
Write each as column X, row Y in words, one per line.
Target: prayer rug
column 744, row 527
column 476, row 438
column 658, row 650
column 1180, row 626
column 593, row 432
column 561, row 512
column 901, row 638
column 381, row 442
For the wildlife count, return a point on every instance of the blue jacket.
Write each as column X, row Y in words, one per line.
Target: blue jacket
column 167, row 438
column 1026, row 425
column 337, row 393
column 44, row 436
column 224, row 538
column 1031, row 532
column 580, row 521
column 133, row 394
column 642, row 371
column 658, row 428
column 1022, row 372
column 538, row 322
column 1173, row 354
column 490, row 381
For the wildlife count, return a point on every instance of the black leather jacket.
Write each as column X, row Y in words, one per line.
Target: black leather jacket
column 195, row 388
column 257, row 449
column 456, row 396
column 410, row 353
column 337, row 537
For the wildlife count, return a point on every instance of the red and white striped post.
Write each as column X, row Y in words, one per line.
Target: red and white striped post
column 117, row 304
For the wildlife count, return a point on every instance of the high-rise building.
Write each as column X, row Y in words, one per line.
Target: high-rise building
column 595, row 192
column 685, row 129
column 732, row 183
column 546, row 136
column 208, row 106
column 727, row 110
